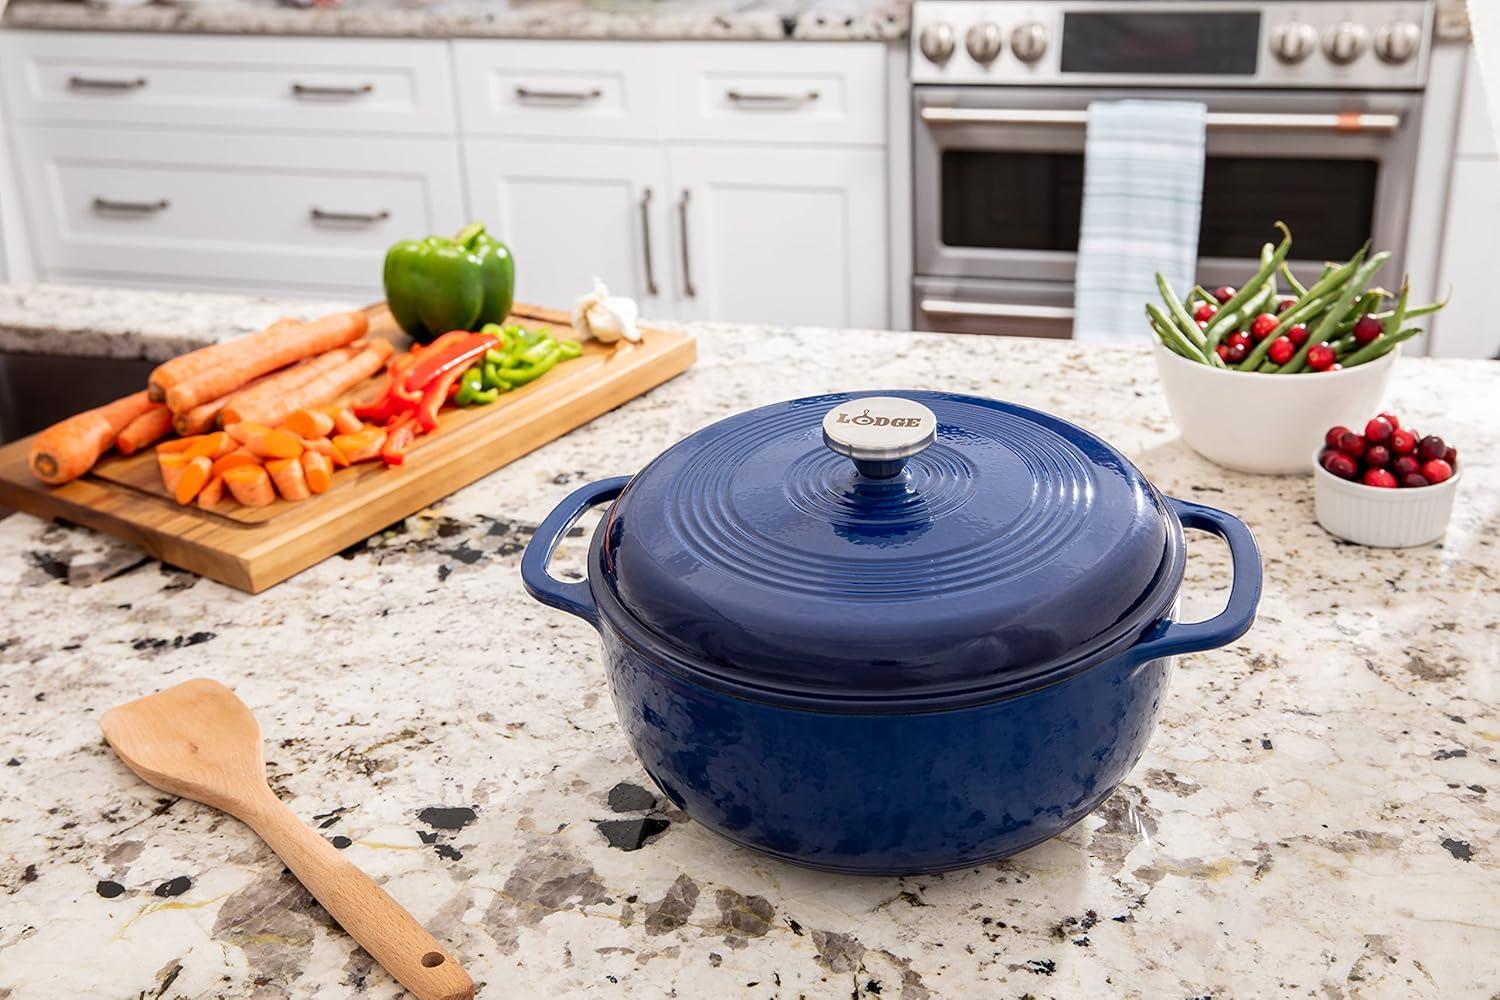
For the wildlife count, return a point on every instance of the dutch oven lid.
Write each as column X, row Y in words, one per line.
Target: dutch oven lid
column 897, row 546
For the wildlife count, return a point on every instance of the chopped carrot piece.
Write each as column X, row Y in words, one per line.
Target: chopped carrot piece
column 250, row 485
column 344, row 420
column 212, row 493
column 326, row 448
column 275, row 444
column 236, row 458
column 318, row 471
column 309, row 424
column 244, row 430
column 286, row 473
column 175, row 445
column 171, row 465
column 361, row 446
column 213, row 446
column 195, row 473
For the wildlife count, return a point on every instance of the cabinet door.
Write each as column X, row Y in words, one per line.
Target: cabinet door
column 573, row 211
column 773, row 235
column 1465, row 328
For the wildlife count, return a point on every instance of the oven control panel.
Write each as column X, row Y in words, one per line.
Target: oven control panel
column 1361, row 44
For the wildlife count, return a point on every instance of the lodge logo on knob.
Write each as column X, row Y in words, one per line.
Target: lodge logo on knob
column 865, row 420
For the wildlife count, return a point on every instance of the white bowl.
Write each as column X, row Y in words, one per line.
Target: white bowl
column 1389, row 519
column 1258, row 422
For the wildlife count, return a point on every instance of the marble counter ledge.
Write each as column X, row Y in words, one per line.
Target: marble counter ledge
column 1316, row 814
column 746, row 20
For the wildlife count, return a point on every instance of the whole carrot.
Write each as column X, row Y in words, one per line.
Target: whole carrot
column 149, row 427
column 194, row 363
column 255, row 397
column 324, row 386
column 68, row 449
column 266, row 351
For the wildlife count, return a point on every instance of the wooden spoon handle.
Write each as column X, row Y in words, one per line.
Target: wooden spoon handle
column 391, row 935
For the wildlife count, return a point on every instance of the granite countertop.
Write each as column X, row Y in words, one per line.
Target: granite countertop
column 832, row 20
column 1316, row 814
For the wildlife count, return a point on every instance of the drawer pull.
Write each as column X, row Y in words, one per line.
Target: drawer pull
column 771, row 100
column 576, row 96
column 130, row 207
column 651, row 288
column 314, row 90
column 90, row 83
column 688, row 290
column 359, row 218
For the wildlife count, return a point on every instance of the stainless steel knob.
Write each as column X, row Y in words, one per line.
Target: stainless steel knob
column 937, row 42
column 1397, row 42
column 1345, row 42
column 1029, row 41
column 1294, row 41
column 984, row 42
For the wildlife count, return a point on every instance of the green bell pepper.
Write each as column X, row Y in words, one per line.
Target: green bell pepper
column 436, row 285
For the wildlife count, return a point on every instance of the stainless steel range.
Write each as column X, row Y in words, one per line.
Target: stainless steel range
column 1313, row 115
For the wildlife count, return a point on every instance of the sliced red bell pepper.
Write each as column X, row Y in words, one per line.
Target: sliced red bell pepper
column 398, row 438
column 435, row 396
column 436, row 361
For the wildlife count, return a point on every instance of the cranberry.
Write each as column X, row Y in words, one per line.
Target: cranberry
column 1366, row 329
column 1238, row 352
column 1320, row 357
column 1298, row 334
column 1224, row 293
column 1391, row 419
column 1431, row 447
column 1414, row 480
column 1378, row 431
column 1405, row 465
column 1281, row 352
column 1451, row 457
column 1262, row 325
column 1335, row 367
column 1222, row 351
column 1205, row 312
column 1380, row 478
column 1202, row 323
column 1286, row 303
column 1377, row 456
column 1403, row 442
column 1331, row 439
column 1352, row 444
column 1340, row 465
column 1437, row 470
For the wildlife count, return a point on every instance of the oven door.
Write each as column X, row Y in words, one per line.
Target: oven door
column 998, row 176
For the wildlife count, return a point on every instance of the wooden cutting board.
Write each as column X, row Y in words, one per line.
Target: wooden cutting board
column 253, row 548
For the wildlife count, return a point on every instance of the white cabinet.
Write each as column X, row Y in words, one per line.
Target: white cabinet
column 776, row 235
column 571, row 211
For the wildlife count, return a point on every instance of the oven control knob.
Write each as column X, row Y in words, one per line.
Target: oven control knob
column 936, row 42
column 1294, row 41
column 984, row 42
column 1029, row 41
column 1397, row 42
column 1345, row 42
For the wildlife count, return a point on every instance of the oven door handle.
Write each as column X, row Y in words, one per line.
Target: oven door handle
column 993, row 310
column 1347, row 121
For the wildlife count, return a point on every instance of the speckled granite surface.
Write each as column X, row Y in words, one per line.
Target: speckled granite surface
column 830, row 20
column 1316, row 815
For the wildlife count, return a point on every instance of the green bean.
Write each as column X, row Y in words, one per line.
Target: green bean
column 1240, row 317
column 1171, row 338
column 1174, row 338
column 1398, row 314
column 1380, row 347
column 1291, row 280
column 1268, row 367
column 1344, row 344
column 1334, row 275
column 1251, row 288
column 1203, row 294
column 1266, row 252
column 1351, row 288
column 1178, row 314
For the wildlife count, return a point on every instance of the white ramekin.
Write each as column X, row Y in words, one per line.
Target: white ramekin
column 1390, row 519
column 1255, row 422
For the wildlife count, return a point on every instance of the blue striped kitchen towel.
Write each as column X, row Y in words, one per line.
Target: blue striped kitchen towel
column 1142, row 198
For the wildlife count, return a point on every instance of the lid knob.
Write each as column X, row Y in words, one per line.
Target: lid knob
column 879, row 432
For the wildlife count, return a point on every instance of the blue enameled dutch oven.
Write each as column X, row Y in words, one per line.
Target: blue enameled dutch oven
column 889, row 633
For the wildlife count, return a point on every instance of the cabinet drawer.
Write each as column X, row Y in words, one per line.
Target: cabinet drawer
column 275, row 83
column 558, row 88
column 287, row 212
column 820, row 92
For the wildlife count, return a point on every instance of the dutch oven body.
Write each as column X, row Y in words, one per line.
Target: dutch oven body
column 944, row 747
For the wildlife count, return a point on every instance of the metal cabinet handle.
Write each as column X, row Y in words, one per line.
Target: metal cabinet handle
column 1350, row 121
column 112, row 86
column 133, row 207
column 993, row 310
column 317, row 90
column 527, row 94
column 646, row 241
column 682, row 221
column 366, row 218
column 767, row 100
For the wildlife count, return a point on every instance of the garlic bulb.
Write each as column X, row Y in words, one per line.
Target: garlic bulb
column 605, row 317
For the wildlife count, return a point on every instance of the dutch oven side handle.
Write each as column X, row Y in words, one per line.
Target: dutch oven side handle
column 574, row 598
column 1170, row 638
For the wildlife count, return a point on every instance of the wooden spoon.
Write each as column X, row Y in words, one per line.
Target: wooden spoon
column 199, row 741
